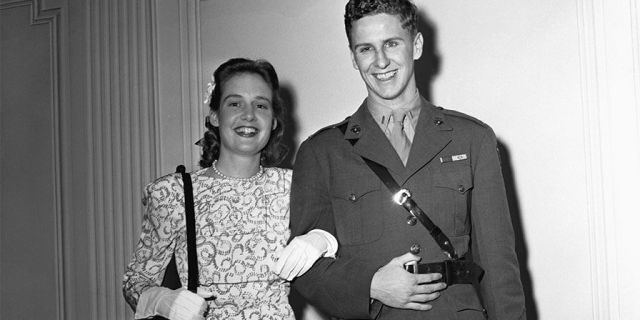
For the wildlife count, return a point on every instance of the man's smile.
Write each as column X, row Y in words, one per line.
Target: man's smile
column 385, row 76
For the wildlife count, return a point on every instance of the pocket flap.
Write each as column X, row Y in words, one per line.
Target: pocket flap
column 459, row 180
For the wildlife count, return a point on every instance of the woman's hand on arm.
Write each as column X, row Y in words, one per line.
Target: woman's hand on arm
column 303, row 251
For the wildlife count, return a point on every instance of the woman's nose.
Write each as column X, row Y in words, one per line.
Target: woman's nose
column 249, row 113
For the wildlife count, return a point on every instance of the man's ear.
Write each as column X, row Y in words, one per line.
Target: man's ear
column 418, row 42
column 353, row 60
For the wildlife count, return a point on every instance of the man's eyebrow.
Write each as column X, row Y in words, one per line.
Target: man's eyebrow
column 383, row 41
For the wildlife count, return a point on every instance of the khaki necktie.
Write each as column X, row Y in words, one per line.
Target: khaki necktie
column 398, row 137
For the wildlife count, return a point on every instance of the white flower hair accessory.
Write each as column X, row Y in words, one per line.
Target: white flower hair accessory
column 210, row 86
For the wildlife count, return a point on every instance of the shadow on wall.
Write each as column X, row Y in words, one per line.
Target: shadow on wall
column 426, row 70
column 291, row 126
column 516, row 220
column 428, row 66
column 291, row 129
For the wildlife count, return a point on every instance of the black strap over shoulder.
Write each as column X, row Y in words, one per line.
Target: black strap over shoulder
column 453, row 271
column 402, row 194
column 192, row 255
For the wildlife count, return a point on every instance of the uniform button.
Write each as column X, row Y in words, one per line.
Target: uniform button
column 437, row 122
column 415, row 248
column 411, row 220
column 355, row 129
column 352, row 197
column 461, row 188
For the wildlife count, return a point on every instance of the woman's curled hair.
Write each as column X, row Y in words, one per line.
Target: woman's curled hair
column 274, row 152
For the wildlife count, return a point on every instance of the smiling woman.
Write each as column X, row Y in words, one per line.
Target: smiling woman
column 241, row 213
column 246, row 109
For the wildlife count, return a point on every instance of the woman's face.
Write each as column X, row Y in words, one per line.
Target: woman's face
column 245, row 118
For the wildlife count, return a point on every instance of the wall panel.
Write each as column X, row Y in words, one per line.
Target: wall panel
column 30, row 199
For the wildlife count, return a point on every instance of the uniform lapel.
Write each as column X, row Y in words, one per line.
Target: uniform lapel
column 370, row 141
column 432, row 135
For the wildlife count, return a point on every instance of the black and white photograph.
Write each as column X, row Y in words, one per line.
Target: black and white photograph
column 317, row 160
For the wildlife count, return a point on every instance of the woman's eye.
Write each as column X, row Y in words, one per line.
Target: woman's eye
column 234, row 104
column 262, row 106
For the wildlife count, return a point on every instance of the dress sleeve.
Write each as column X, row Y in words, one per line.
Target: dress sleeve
column 160, row 226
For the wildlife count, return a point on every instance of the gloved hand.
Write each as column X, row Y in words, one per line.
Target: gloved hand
column 179, row 304
column 303, row 251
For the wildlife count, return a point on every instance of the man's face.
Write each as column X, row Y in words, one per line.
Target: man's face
column 383, row 52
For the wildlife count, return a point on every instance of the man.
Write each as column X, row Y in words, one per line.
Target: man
column 448, row 162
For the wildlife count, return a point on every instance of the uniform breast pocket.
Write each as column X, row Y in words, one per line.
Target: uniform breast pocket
column 358, row 212
column 453, row 188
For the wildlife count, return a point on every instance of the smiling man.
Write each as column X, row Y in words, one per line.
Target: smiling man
column 413, row 193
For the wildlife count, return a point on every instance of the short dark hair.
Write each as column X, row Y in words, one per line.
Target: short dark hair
column 357, row 9
column 275, row 151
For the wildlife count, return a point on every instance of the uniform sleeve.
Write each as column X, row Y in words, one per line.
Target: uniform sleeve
column 493, row 236
column 341, row 286
column 156, row 244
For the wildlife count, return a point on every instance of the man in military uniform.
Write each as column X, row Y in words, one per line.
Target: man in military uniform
column 445, row 159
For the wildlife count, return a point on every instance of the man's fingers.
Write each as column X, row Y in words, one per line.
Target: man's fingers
column 405, row 258
column 423, row 298
column 418, row 306
column 429, row 277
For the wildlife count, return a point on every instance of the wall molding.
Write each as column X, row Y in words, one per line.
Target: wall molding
column 191, row 66
column 610, row 87
column 590, row 37
column 635, row 42
column 122, row 141
column 49, row 17
column 180, row 92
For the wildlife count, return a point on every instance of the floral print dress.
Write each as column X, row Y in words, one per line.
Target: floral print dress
column 241, row 224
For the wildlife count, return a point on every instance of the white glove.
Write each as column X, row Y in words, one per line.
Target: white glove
column 179, row 304
column 303, row 251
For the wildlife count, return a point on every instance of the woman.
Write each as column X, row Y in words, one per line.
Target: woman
column 242, row 213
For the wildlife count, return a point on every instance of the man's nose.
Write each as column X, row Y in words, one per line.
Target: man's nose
column 382, row 61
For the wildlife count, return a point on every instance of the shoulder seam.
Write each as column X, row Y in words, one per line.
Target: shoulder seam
column 331, row 126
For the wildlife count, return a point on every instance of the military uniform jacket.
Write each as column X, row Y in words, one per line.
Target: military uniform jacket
column 453, row 173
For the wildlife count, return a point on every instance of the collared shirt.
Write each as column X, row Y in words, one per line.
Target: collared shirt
column 382, row 115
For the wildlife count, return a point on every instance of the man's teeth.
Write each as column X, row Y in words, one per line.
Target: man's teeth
column 385, row 76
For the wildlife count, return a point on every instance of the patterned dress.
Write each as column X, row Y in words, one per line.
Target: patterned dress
column 240, row 226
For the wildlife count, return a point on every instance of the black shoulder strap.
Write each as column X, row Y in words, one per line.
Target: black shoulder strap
column 192, row 255
column 406, row 202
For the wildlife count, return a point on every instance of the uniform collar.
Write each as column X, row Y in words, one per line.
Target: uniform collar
column 433, row 133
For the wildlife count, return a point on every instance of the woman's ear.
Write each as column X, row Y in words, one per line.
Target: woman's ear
column 274, row 125
column 213, row 119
